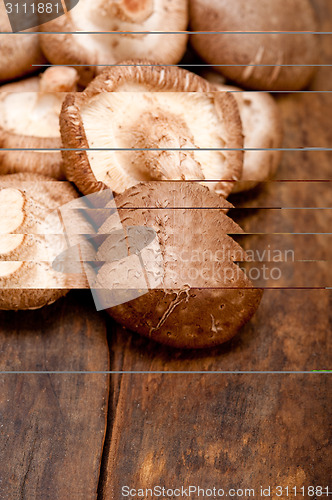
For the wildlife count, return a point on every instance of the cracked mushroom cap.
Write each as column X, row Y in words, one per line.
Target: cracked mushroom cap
column 262, row 128
column 248, row 50
column 29, row 118
column 202, row 298
column 17, row 52
column 138, row 123
column 27, row 279
column 126, row 16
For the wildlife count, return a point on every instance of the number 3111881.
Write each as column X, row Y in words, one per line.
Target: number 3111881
column 32, row 8
column 304, row 491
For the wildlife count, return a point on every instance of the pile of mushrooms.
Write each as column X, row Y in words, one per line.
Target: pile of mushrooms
column 170, row 145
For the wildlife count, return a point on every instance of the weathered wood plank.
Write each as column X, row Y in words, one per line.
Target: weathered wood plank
column 52, row 426
column 228, row 431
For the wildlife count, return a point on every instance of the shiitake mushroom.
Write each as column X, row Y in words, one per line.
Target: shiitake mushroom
column 197, row 295
column 258, row 59
column 262, row 129
column 102, row 19
column 28, row 244
column 138, row 123
column 29, row 122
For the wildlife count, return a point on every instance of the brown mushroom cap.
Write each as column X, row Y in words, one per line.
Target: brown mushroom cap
column 126, row 16
column 204, row 297
column 252, row 49
column 159, row 118
column 18, row 51
column 262, row 128
column 27, row 280
column 29, row 118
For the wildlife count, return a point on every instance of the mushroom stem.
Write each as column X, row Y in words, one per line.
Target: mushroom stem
column 53, row 82
column 59, row 79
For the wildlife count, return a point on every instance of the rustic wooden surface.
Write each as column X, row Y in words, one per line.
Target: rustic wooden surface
column 244, row 430
column 52, row 426
column 230, row 431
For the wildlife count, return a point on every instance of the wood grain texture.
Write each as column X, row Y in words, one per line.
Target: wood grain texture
column 52, row 426
column 228, row 431
column 244, row 430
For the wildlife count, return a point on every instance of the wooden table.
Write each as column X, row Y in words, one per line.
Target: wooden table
column 82, row 436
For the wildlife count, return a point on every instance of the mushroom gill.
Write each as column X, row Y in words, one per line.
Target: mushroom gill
column 27, row 278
